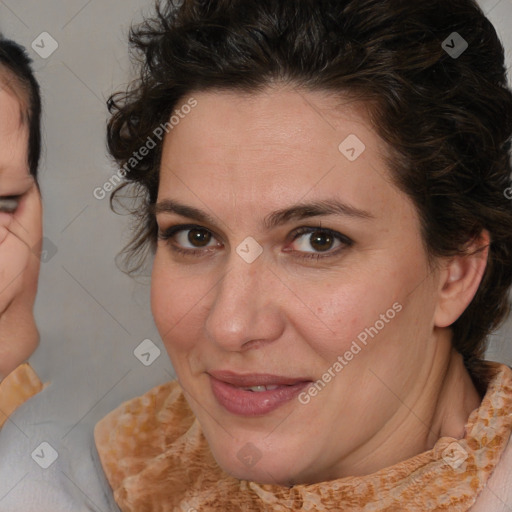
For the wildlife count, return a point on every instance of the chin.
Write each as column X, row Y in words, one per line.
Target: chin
column 249, row 463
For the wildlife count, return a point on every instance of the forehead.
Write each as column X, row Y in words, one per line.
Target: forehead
column 268, row 135
column 12, row 83
column 260, row 153
column 11, row 107
column 13, row 134
column 272, row 123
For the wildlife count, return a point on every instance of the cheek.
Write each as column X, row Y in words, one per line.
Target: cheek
column 176, row 305
column 338, row 313
column 14, row 256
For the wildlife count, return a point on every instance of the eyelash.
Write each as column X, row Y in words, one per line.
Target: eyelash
column 6, row 205
column 346, row 242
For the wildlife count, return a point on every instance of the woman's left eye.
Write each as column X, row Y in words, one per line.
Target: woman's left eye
column 319, row 242
column 9, row 204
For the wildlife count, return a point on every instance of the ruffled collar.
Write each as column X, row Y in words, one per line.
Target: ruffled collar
column 156, row 458
column 20, row 385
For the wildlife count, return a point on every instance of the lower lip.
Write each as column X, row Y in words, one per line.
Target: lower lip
column 253, row 403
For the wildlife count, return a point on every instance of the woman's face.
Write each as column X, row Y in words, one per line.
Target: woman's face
column 20, row 238
column 287, row 257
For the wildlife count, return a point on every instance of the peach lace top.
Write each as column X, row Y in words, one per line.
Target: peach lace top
column 20, row 385
column 156, row 458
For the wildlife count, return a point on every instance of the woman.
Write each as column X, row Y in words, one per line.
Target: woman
column 20, row 225
column 322, row 185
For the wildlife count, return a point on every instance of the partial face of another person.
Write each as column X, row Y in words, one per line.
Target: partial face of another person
column 287, row 256
column 20, row 237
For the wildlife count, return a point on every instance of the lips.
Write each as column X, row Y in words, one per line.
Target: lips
column 256, row 379
column 254, row 394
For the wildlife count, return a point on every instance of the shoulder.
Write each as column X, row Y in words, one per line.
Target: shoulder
column 20, row 385
column 162, row 406
column 49, row 464
column 497, row 493
column 153, row 452
column 140, row 430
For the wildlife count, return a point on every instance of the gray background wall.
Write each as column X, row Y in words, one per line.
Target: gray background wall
column 91, row 316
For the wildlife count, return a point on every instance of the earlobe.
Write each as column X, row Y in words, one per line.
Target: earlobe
column 460, row 279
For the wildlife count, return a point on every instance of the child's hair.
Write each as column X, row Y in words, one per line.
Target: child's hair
column 17, row 76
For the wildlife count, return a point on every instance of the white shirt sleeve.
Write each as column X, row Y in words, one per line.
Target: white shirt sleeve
column 48, row 466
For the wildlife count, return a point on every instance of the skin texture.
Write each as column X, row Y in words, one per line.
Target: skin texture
column 20, row 239
column 240, row 158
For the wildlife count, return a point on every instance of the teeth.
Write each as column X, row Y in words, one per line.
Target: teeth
column 259, row 389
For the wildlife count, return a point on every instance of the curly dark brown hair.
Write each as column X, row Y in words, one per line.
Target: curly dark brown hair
column 446, row 118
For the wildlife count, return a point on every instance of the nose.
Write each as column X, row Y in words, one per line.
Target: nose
column 246, row 308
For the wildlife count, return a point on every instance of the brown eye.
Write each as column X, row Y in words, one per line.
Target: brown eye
column 190, row 240
column 321, row 241
column 311, row 241
column 199, row 237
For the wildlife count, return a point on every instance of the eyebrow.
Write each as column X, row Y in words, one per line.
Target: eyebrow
column 297, row 212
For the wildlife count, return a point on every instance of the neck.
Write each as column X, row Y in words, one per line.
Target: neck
column 437, row 406
column 457, row 398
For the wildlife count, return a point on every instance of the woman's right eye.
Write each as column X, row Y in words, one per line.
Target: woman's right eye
column 190, row 240
column 9, row 204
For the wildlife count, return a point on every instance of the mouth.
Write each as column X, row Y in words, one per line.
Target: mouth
column 254, row 394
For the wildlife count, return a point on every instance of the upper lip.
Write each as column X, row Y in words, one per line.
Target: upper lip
column 255, row 379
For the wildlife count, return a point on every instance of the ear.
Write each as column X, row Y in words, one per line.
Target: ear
column 460, row 278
